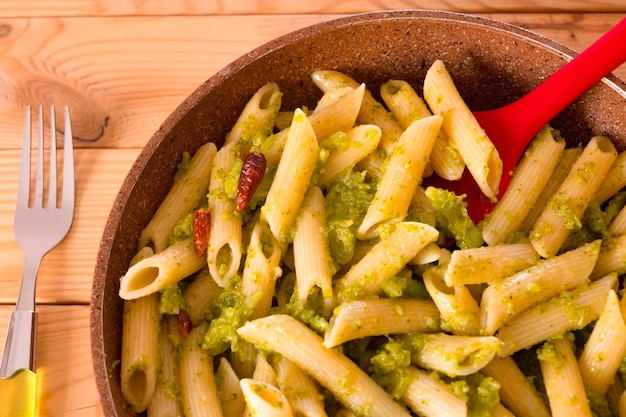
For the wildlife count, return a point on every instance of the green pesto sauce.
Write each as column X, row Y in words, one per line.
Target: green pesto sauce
column 171, row 300
column 182, row 230
column 347, row 200
column 452, row 218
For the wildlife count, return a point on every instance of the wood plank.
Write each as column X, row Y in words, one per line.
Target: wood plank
column 66, row 272
column 124, row 75
column 201, row 7
column 67, row 386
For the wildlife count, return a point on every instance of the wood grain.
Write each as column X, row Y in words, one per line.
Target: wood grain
column 67, row 386
column 201, row 7
column 124, row 75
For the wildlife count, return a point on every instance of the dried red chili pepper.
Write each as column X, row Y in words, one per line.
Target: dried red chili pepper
column 185, row 326
column 201, row 229
column 252, row 173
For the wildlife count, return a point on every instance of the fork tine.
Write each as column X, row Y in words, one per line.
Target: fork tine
column 52, row 177
column 68, row 162
column 23, row 194
column 38, row 201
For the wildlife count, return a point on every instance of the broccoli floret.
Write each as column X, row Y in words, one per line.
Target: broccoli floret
column 452, row 218
column 232, row 310
column 171, row 300
column 346, row 204
column 388, row 367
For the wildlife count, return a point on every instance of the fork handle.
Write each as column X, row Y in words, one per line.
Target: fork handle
column 19, row 348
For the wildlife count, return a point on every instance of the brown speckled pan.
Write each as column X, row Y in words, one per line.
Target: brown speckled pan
column 492, row 63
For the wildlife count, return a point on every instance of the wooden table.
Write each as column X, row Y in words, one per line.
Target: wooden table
column 123, row 66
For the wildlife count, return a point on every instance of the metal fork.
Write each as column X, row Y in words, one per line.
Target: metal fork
column 38, row 226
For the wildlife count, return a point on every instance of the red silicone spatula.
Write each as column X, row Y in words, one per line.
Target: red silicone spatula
column 512, row 127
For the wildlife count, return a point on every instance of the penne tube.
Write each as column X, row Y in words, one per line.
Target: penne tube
column 291, row 182
column 384, row 316
column 614, row 181
column 256, row 118
column 612, row 257
column 430, row 397
column 563, row 167
column 140, row 353
column 389, row 256
column 186, row 192
column 225, row 246
column 371, row 111
column 229, row 389
column 453, row 355
column 529, row 178
column 480, row 155
column 265, row 400
column 263, row 371
column 287, row 336
column 261, row 269
column 618, row 225
column 200, row 295
column 340, row 116
column 508, row 297
column 488, row 263
column 313, row 264
column 197, row 379
column 604, row 351
column 516, row 391
column 568, row 311
column 401, row 176
column 361, row 141
column 459, row 310
column 159, row 271
column 565, row 208
column 407, row 106
column 562, row 379
column 166, row 398
column 302, row 392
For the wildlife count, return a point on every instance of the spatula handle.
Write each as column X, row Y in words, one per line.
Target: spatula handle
column 18, row 394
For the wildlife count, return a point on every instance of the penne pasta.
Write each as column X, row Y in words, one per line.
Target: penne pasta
column 198, row 390
column 510, row 296
column 516, row 391
column 401, row 176
column 459, row 310
column 453, row 355
column 302, row 393
column 165, row 400
column 340, row 116
column 612, row 257
column 292, row 178
column 404, row 242
column 161, row 270
column 604, row 351
column 614, row 181
column 562, row 379
column 480, row 155
column 407, row 106
column 530, row 177
column 429, row 397
column 569, row 311
column 330, row 368
column 139, row 357
column 265, row 400
column 229, row 390
column 384, row 316
column 361, row 141
column 566, row 207
column 225, row 246
column 313, row 264
column 371, row 111
column 488, row 264
column 186, row 192
column 256, row 118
